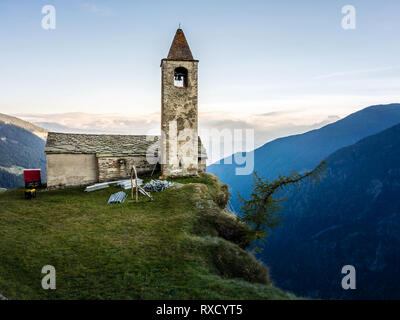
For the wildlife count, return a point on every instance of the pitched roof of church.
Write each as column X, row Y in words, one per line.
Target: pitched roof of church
column 180, row 48
column 104, row 145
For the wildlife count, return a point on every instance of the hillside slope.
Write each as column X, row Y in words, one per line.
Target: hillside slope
column 351, row 217
column 304, row 151
column 32, row 128
column 21, row 146
column 182, row 245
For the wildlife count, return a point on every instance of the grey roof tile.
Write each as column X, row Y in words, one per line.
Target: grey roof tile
column 105, row 145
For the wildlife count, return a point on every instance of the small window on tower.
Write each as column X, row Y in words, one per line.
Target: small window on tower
column 181, row 77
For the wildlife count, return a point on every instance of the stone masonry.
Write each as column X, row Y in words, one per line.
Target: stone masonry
column 179, row 112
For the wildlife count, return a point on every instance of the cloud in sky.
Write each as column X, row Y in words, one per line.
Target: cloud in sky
column 266, row 127
column 96, row 8
column 355, row 72
column 79, row 122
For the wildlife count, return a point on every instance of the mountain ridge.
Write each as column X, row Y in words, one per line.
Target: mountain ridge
column 36, row 130
column 351, row 217
column 304, row 151
column 21, row 147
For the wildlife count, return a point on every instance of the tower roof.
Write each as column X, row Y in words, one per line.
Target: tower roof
column 180, row 48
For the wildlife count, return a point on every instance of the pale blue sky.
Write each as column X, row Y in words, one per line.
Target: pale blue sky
column 288, row 57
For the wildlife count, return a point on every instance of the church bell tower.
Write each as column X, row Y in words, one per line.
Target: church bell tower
column 179, row 111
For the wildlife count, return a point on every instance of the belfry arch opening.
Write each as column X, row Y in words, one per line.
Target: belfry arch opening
column 181, row 77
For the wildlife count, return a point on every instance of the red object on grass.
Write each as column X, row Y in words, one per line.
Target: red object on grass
column 32, row 175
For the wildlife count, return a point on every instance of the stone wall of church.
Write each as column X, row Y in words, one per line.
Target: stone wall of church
column 115, row 168
column 179, row 120
column 64, row 170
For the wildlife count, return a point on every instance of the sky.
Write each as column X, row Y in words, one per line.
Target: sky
column 279, row 67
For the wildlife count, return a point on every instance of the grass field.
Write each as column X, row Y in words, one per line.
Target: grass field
column 163, row 249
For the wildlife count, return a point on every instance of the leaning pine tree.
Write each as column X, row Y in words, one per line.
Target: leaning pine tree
column 261, row 211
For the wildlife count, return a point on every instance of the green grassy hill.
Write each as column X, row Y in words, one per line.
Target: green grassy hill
column 182, row 245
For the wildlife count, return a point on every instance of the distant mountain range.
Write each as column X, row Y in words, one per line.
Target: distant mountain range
column 21, row 147
column 351, row 217
column 304, row 151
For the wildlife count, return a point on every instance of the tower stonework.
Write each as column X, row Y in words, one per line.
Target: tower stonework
column 179, row 111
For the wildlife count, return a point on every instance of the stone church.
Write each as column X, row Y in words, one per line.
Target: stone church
column 79, row 159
